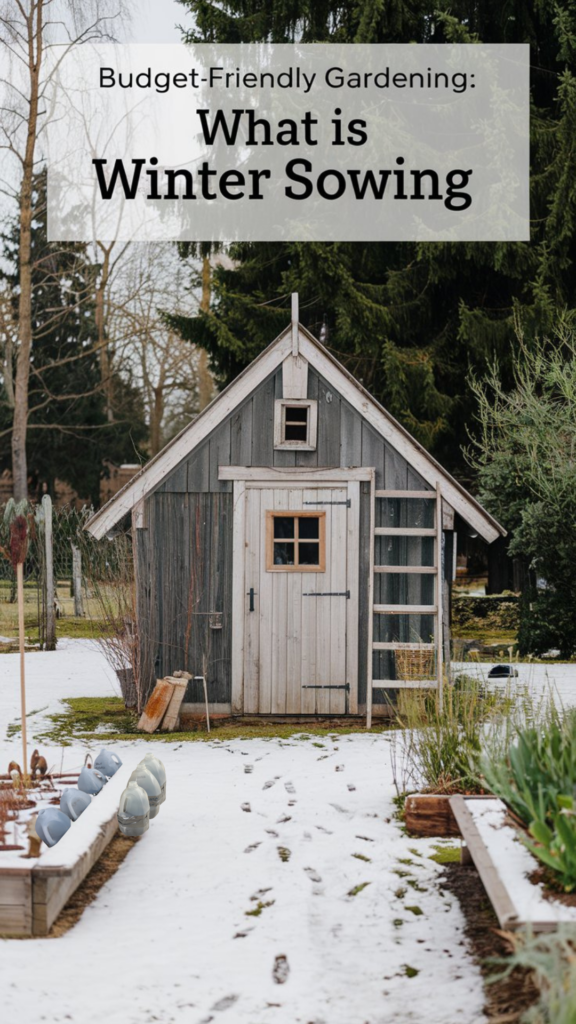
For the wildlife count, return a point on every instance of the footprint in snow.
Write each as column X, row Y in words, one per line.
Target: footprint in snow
column 339, row 768
column 289, row 787
column 246, row 807
column 322, row 829
column 248, row 769
column 272, row 833
column 313, row 874
column 337, row 807
column 283, row 819
column 225, row 1003
column 281, row 969
column 268, row 784
column 351, row 787
column 253, row 846
column 260, row 893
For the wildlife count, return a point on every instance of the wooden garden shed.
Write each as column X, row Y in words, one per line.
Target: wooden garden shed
column 294, row 544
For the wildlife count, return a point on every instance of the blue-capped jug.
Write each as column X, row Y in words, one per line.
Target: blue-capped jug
column 74, row 803
column 91, row 781
column 51, row 825
column 107, row 762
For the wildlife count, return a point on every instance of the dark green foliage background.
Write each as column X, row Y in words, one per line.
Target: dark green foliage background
column 409, row 319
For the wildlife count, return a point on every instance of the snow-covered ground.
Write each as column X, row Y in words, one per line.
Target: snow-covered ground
column 289, row 828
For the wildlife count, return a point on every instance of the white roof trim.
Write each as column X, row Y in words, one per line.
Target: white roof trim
column 155, row 471
column 457, row 496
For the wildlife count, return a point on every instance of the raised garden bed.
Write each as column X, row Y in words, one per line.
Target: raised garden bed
column 508, row 870
column 430, row 815
column 34, row 890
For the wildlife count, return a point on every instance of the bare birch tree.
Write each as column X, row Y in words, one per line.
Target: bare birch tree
column 29, row 29
column 148, row 281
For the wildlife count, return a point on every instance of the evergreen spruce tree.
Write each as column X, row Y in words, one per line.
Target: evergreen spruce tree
column 69, row 435
column 409, row 319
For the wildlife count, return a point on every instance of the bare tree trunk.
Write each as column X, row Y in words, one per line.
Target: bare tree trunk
column 100, row 316
column 156, row 416
column 205, row 384
column 35, row 27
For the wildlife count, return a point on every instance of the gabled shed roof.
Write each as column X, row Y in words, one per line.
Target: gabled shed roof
column 158, row 468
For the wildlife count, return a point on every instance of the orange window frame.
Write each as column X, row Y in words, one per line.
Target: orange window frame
column 289, row 513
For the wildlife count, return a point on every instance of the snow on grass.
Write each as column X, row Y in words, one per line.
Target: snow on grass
column 274, row 887
column 541, row 681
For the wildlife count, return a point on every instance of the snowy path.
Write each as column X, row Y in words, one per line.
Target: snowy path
column 269, row 825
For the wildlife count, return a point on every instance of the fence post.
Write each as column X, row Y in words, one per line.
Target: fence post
column 50, row 609
column 77, row 581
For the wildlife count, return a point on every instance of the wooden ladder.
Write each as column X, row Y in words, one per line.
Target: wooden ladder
column 407, row 609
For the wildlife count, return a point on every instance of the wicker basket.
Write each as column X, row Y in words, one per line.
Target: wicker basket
column 414, row 665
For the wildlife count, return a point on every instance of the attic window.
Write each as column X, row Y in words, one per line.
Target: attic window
column 296, row 424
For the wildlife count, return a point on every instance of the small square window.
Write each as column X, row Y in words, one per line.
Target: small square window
column 296, row 542
column 296, row 424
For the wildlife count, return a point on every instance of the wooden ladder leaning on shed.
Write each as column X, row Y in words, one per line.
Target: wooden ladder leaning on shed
column 434, row 610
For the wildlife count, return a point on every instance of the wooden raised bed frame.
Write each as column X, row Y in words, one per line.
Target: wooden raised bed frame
column 33, row 893
column 32, row 897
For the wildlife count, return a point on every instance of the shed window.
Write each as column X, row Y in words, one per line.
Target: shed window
column 295, row 541
column 296, row 424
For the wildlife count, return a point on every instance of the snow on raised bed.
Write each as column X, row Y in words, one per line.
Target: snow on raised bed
column 515, row 864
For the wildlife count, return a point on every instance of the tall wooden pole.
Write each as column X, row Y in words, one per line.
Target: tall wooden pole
column 20, row 585
column 49, row 564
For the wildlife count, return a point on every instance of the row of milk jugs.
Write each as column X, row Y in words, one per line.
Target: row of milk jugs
column 139, row 802
column 141, row 799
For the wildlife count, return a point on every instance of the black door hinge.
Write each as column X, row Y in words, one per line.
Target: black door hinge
column 328, row 593
column 348, row 503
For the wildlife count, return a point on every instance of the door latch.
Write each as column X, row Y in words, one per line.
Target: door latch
column 251, row 596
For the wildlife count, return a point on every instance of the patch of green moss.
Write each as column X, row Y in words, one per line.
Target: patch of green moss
column 84, row 715
column 410, row 972
column 397, row 922
column 417, row 911
column 446, row 855
column 358, row 888
column 414, row 885
column 400, row 893
column 93, row 718
column 259, row 908
column 360, row 856
column 284, row 853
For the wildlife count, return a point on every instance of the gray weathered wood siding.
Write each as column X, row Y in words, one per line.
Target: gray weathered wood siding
column 184, row 556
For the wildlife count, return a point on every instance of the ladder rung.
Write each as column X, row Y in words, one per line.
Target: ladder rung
column 415, row 569
column 397, row 645
column 406, row 609
column 405, row 494
column 404, row 684
column 403, row 531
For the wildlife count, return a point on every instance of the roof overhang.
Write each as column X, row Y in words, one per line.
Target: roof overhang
column 158, row 468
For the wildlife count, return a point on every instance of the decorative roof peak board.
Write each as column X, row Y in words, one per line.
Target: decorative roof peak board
column 311, row 350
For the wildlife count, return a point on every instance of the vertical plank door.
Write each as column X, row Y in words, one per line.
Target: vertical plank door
column 301, row 618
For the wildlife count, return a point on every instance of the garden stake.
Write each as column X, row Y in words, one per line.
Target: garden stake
column 20, row 579
column 205, row 685
column 18, row 547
